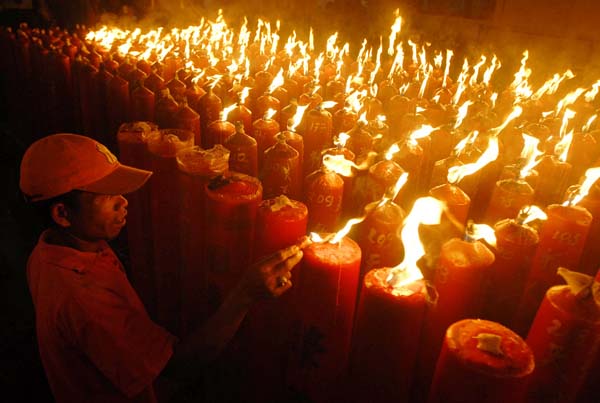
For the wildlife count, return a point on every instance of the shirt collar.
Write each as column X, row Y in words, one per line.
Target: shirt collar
column 67, row 257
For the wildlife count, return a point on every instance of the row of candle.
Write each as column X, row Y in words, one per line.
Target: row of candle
column 330, row 198
column 228, row 208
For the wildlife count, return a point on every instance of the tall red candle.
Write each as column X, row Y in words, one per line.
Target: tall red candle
column 456, row 200
column 142, row 104
column 553, row 180
column 281, row 171
column 590, row 257
column 562, row 239
column 217, row 132
column 379, row 236
column 317, row 136
column 165, row 208
column 508, row 198
column 264, row 130
column 386, row 338
column 209, row 107
column 360, row 142
column 187, row 119
column 166, row 107
column 243, row 150
column 325, row 298
column 195, row 168
column 564, row 337
column 263, row 104
column 118, row 108
column 481, row 362
column 323, row 194
column 231, row 204
column 460, row 273
column 516, row 244
column 132, row 140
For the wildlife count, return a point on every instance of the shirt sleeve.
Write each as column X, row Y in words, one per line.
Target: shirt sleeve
column 121, row 340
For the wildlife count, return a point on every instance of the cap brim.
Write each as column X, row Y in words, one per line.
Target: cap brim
column 123, row 180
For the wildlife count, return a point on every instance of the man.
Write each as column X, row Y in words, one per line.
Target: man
column 95, row 338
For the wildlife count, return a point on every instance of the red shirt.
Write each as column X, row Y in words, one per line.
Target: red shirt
column 95, row 338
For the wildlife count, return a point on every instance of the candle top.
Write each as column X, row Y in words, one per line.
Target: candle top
column 576, row 214
column 584, row 308
column 509, row 231
column 466, row 254
column 136, row 132
column 468, row 340
column 197, row 161
column 167, row 142
column 376, row 281
column 284, row 208
column 449, row 193
column 346, row 252
column 234, row 187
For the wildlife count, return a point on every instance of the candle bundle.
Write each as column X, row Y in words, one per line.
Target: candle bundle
column 349, row 136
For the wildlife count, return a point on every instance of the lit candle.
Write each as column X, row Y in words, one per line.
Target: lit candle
column 562, row 239
column 142, row 104
column 165, row 209
column 456, row 200
column 481, row 362
column 217, row 132
column 195, row 169
column 187, row 119
column 209, row 108
column 325, row 298
column 564, row 336
column 508, row 198
column 166, row 107
column 323, row 194
column 264, row 130
column 317, row 135
column 281, row 171
column 231, row 204
column 459, row 278
column 243, row 157
column 516, row 243
column 132, row 140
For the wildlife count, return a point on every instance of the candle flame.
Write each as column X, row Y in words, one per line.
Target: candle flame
column 346, row 229
column 341, row 139
column 561, row 149
column 529, row 154
column 394, row 148
column 327, row 104
column 225, row 112
column 396, row 27
column 428, row 211
column 467, row 141
column 449, row 54
column 270, row 113
column 475, row 232
column 393, row 191
column 340, row 165
column 586, row 127
column 244, row 94
column 300, row 109
column 590, row 96
column 551, row 86
column 462, row 113
column 531, row 213
column 423, row 131
column 591, row 176
column 457, row 173
column 277, row 81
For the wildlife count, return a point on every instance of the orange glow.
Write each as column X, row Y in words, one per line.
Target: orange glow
column 530, row 154
column 591, row 176
column 396, row 28
column 428, row 211
column 457, row 173
column 531, row 213
column 476, row 232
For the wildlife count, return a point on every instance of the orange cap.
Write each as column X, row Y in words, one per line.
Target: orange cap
column 59, row 163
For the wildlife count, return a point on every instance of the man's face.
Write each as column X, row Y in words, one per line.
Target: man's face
column 99, row 217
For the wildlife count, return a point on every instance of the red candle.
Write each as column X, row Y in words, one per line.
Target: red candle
column 243, row 155
column 323, row 193
column 325, row 299
column 281, row 171
column 590, row 257
column 564, row 337
column 154, row 83
column 317, row 136
column 456, row 200
column 264, row 130
column 280, row 222
column 386, row 338
column 553, row 180
column 231, row 204
column 382, row 176
column 88, row 100
column 460, row 273
column 263, row 104
column 481, row 362
column 217, row 132
column 195, row 168
column 209, row 107
column 410, row 158
column 142, row 104
column 379, row 236
column 177, row 88
column 118, row 107
column 243, row 114
column 508, row 198
column 166, row 107
column 165, row 209
column 187, row 119
column 562, row 239
column 360, row 142
column 516, row 244
column 132, row 140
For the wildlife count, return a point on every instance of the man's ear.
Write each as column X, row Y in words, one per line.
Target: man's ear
column 60, row 215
